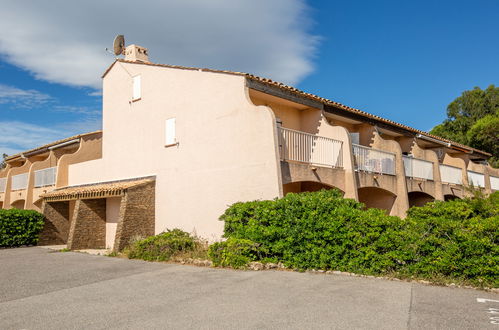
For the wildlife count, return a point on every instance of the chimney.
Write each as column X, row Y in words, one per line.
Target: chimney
column 136, row 53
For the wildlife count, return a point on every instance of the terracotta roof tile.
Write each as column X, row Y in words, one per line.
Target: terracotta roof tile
column 310, row 96
column 46, row 146
column 97, row 188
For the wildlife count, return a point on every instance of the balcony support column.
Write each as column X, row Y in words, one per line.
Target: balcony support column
column 401, row 204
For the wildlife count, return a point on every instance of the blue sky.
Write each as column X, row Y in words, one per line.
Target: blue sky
column 403, row 60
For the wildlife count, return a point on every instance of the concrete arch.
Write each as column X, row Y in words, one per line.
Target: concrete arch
column 419, row 198
column 307, row 186
column 450, row 197
column 38, row 203
column 18, row 204
column 375, row 197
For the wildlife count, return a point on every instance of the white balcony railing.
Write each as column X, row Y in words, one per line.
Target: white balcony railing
column 20, row 181
column 3, row 184
column 494, row 182
column 476, row 179
column 373, row 160
column 418, row 168
column 45, row 177
column 308, row 148
column 451, row 174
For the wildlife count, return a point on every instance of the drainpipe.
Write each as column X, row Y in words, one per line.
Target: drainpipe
column 64, row 144
column 427, row 138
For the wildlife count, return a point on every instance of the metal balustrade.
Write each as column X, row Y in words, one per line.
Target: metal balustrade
column 20, row 181
column 418, row 168
column 3, row 184
column 45, row 177
column 373, row 160
column 476, row 179
column 494, row 182
column 308, row 148
column 451, row 174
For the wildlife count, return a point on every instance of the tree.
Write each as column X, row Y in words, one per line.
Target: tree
column 3, row 164
column 473, row 119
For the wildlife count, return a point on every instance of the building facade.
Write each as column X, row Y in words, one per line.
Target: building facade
column 181, row 144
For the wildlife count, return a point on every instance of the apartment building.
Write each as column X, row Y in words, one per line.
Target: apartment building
column 32, row 173
column 180, row 144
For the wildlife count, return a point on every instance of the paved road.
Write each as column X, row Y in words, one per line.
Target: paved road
column 40, row 289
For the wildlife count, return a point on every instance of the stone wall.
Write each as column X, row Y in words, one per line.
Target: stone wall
column 57, row 223
column 137, row 215
column 88, row 226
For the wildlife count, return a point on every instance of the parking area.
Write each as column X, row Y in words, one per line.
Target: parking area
column 42, row 289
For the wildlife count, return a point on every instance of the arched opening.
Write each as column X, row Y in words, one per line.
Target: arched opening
column 38, row 204
column 1, row 205
column 450, row 197
column 305, row 186
column 419, row 198
column 19, row 204
column 374, row 197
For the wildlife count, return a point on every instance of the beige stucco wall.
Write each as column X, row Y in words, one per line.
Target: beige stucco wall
column 33, row 194
column 401, row 203
column 227, row 149
column 90, row 148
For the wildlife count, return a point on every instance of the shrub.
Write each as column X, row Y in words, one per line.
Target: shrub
column 457, row 239
column 164, row 246
column 19, row 227
column 234, row 252
column 442, row 241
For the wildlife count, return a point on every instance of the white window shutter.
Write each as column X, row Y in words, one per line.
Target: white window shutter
column 136, row 88
column 170, row 136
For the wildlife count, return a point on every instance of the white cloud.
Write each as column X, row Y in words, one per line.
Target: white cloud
column 76, row 109
column 22, row 98
column 20, row 136
column 63, row 41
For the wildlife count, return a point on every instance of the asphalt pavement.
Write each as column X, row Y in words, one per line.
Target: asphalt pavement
column 43, row 289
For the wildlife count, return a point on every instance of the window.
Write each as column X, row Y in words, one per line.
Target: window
column 170, row 134
column 136, row 88
column 355, row 137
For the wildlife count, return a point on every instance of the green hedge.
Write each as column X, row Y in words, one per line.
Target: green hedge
column 19, row 227
column 442, row 241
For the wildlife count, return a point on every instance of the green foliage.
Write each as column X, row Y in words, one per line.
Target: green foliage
column 445, row 240
column 484, row 135
column 473, row 119
column 19, row 227
column 164, row 246
column 3, row 164
column 234, row 252
column 457, row 239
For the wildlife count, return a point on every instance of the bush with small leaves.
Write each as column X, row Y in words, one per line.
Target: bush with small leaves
column 20, row 227
column 442, row 241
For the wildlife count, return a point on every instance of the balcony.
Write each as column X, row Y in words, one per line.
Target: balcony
column 494, row 183
column 451, row 174
column 3, row 184
column 476, row 179
column 373, row 160
column 45, row 177
column 20, row 181
column 308, row 148
column 418, row 168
